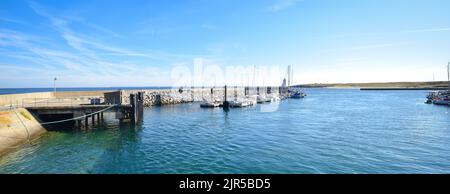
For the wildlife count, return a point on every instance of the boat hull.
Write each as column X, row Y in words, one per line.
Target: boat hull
column 209, row 105
column 441, row 102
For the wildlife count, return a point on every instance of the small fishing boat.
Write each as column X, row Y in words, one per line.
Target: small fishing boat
column 252, row 100
column 431, row 96
column 262, row 99
column 438, row 97
column 296, row 94
column 274, row 98
column 444, row 101
column 210, row 103
column 240, row 103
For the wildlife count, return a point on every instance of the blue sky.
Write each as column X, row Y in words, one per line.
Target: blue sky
column 139, row 43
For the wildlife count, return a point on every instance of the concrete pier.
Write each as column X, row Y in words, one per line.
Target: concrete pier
column 91, row 114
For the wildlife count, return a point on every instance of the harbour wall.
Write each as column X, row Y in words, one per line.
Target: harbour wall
column 151, row 97
column 19, row 100
column 17, row 127
column 75, row 94
column 175, row 96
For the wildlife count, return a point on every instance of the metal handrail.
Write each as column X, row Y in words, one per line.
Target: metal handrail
column 70, row 101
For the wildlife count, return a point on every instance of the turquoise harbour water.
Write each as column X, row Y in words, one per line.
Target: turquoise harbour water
column 330, row 131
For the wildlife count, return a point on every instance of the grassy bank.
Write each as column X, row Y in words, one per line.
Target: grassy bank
column 381, row 85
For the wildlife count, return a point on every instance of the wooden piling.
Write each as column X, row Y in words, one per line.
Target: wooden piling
column 93, row 120
column 133, row 109
column 226, row 104
column 137, row 107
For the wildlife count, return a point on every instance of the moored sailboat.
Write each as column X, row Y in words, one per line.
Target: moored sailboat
column 440, row 97
column 212, row 102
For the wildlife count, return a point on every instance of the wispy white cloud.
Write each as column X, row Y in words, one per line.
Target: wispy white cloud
column 365, row 47
column 280, row 5
column 423, row 30
column 4, row 19
column 400, row 32
column 9, row 68
column 80, row 58
column 427, row 30
column 88, row 46
column 96, row 27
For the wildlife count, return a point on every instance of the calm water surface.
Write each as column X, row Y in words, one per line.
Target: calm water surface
column 330, row 131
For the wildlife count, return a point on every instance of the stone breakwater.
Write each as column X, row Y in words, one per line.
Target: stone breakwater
column 175, row 96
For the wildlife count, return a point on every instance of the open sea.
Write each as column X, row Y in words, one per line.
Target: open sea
column 329, row 131
column 29, row 90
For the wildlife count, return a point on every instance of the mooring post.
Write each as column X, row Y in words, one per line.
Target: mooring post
column 133, row 109
column 158, row 100
column 86, row 122
column 226, row 104
column 192, row 93
column 120, row 121
column 98, row 118
column 212, row 94
column 140, row 104
column 137, row 107
column 257, row 90
column 79, row 123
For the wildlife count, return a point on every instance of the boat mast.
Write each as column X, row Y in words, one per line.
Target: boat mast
column 254, row 74
column 448, row 75
column 289, row 76
column 292, row 77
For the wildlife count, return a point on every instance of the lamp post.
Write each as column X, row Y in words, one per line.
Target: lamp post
column 54, row 85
